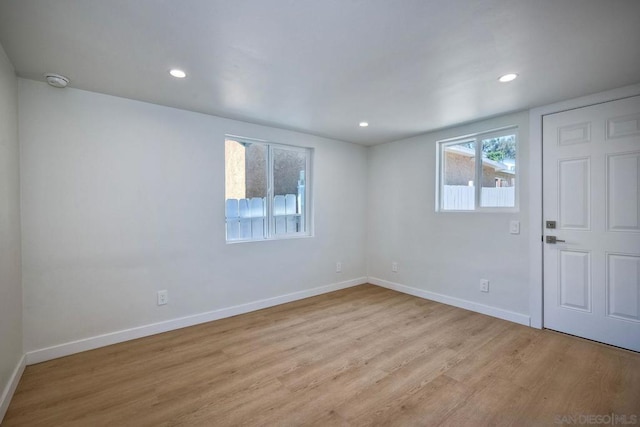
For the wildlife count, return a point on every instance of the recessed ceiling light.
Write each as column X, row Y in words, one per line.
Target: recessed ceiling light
column 178, row 73
column 363, row 124
column 508, row 77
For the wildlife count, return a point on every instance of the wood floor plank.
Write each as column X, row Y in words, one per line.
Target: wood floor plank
column 355, row 357
column 426, row 406
column 495, row 402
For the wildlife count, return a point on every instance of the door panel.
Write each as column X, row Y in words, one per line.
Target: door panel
column 623, row 287
column 574, row 193
column 575, row 283
column 623, row 202
column 591, row 185
column 574, row 134
column 625, row 126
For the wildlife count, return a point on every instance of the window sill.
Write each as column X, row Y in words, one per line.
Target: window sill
column 271, row 239
column 482, row 210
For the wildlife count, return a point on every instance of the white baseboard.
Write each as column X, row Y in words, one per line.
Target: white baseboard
column 11, row 386
column 456, row 302
column 61, row 350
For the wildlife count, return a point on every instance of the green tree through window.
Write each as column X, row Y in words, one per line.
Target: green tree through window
column 500, row 148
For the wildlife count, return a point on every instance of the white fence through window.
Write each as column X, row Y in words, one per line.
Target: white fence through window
column 499, row 197
column 246, row 218
column 462, row 197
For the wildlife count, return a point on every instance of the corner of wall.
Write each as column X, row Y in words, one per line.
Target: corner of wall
column 12, row 357
column 11, row 386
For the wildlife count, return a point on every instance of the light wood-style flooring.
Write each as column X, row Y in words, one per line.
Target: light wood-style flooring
column 360, row 356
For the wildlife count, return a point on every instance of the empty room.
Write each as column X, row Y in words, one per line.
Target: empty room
column 335, row 212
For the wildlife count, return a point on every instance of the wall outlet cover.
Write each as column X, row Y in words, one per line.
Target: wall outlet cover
column 163, row 297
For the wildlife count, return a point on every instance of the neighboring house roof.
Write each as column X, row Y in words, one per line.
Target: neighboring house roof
column 469, row 152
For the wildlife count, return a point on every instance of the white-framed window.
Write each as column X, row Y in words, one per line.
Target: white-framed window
column 267, row 190
column 478, row 172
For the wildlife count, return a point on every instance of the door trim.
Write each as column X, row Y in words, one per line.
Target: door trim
column 535, row 187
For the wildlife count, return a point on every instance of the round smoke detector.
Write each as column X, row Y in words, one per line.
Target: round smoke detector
column 56, row 80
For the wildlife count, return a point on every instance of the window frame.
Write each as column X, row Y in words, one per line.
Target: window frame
column 270, row 218
column 477, row 138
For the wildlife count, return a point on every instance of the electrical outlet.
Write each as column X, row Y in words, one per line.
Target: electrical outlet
column 484, row 285
column 338, row 267
column 394, row 267
column 163, row 297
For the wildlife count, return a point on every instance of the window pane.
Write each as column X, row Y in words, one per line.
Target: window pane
column 245, row 190
column 289, row 180
column 458, row 175
column 498, row 172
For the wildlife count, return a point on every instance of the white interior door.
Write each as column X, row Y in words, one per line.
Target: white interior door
column 591, row 185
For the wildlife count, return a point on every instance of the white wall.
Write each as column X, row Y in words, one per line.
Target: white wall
column 123, row 198
column 445, row 253
column 10, row 286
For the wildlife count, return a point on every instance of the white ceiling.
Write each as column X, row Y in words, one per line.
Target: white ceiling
column 322, row 66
